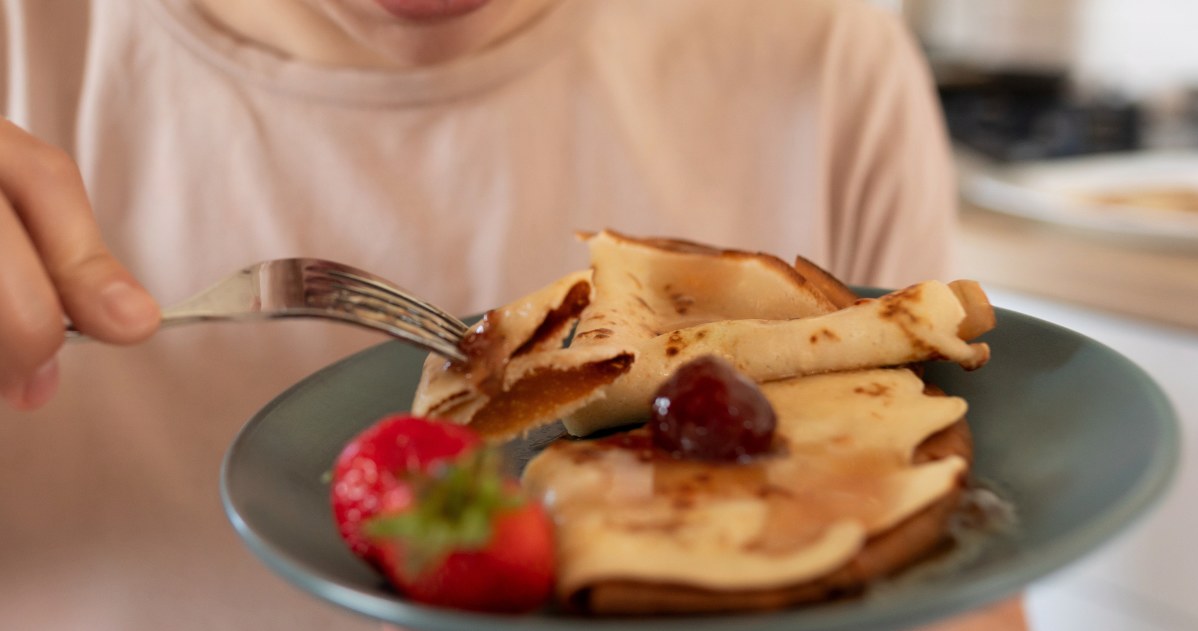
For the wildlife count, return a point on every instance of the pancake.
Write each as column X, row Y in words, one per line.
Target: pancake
column 869, row 469
column 919, row 323
column 920, row 536
column 518, row 374
column 648, row 305
column 867, row 465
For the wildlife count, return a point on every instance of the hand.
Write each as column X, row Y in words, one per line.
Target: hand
column 53, row 262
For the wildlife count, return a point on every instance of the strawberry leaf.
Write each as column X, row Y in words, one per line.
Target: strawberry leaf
column 456, row 505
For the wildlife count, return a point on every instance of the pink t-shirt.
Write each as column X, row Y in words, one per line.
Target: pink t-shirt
column 788, row 126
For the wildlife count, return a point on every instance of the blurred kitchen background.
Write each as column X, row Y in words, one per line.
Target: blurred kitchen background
column 1075, row 124
column 1081, row 118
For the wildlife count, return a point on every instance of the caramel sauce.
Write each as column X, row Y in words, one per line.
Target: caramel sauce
column 804, row 490
column 486, row 346
column 577, row 298
column 542, row 392
column 485, row 354
column 808, row 499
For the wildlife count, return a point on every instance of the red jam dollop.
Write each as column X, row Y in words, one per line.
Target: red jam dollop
column 707, row 410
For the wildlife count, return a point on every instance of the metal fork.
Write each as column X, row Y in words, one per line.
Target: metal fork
column 314, row 288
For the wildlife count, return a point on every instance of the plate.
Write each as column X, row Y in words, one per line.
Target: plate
column 1076, row 436
column 1064, row 192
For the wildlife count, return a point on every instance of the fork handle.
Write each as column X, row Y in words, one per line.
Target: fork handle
column 172, row 317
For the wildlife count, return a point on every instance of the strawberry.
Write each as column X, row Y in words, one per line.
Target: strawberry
column 371, row 468
column 424, row 501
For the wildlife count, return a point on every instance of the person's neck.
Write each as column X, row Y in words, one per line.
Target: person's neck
column 304, row 31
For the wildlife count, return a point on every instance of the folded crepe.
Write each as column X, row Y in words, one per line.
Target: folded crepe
column 867, row 466
column 632, row 522
column 767, row 334
column 648, row 305
column 518, row 374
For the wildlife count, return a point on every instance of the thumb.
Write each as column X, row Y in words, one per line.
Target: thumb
column 47, row 192
column 103, row 299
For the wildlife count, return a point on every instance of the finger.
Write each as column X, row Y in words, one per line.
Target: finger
column 101, row 297
column 35, row 391
column 30, row 313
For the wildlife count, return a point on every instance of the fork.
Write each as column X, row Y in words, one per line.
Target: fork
column 315, row 288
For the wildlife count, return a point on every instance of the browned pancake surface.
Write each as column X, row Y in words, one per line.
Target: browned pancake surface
column 883, row 555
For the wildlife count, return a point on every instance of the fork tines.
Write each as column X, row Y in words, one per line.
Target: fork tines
column 406, row 315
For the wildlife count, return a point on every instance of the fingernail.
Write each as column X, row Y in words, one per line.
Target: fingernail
column 41, row 386
column 128, row 306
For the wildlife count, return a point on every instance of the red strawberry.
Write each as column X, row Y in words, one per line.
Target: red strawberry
column 371, row 468
column 443, row 524
column 501, row 563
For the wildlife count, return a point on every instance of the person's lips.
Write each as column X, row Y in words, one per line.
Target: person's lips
column 430, row 9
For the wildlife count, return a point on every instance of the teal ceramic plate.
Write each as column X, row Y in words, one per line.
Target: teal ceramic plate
column 1077, row 437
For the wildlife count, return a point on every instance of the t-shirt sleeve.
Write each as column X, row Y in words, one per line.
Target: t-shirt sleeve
column 891, row 182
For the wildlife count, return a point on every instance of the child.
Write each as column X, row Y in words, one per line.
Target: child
column 452, row 146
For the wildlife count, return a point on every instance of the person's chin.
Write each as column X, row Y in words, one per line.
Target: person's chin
column 430, row 10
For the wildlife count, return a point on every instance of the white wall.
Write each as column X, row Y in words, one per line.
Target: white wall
column 1010, row 34
column 1142, row 47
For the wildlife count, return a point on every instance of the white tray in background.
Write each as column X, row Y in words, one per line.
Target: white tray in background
column 1054, row 192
